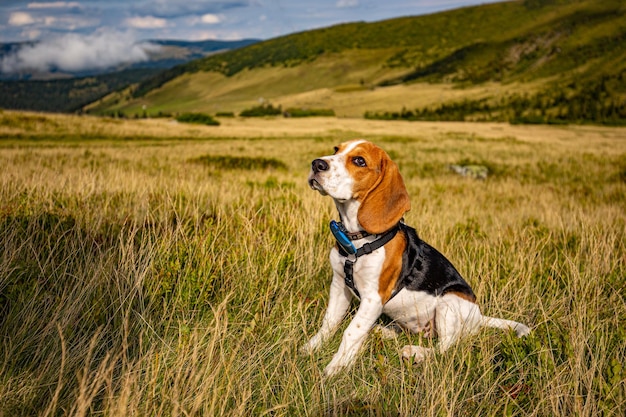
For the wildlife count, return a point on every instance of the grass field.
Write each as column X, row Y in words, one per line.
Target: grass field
column 154, row 268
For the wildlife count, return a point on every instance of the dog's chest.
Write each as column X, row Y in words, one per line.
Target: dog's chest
column 366, row 270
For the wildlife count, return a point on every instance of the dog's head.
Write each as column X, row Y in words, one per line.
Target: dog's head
column 361, row 171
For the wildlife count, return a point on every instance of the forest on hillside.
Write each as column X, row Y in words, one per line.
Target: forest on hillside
column 599, row 102
column 66, row 95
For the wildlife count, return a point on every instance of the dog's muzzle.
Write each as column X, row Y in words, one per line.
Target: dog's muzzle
column 317, row 166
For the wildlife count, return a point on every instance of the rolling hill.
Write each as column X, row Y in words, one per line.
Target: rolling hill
column 493, row 61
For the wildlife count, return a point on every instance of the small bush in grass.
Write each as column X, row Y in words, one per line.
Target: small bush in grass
column 298, row 112
column 225, row 114
column 239, row 162
column 197, row 118
column 262, row 110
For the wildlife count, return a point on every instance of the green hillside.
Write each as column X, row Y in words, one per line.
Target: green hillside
column 494, row 58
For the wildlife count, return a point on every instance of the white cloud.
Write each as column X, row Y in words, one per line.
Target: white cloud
column 175, row 9
column 202, row 35
column 58, row 21
column 54, row 5
column 347, row 3
column 68, row 22
column 210, row 19
column 20, row 19
column 73, row 52
column 146, row 22
column 30, row 35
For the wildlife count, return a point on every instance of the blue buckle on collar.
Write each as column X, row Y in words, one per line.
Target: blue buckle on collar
column 339, row 232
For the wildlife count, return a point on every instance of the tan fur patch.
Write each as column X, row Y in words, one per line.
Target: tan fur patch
column 365, row 178
column 470, row 298
column 391, row 267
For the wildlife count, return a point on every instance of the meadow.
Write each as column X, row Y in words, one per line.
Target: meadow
column 154, row 268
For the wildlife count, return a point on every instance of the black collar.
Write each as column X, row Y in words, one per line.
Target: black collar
column 370, row 247
column 357, row 235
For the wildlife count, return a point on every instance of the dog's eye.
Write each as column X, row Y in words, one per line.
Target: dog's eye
column 336, row 149
column 359, row 161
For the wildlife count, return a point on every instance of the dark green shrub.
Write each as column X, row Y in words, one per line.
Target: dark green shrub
column 262, row 110
column 298, row 112
column 227, row 162
column 197, row 118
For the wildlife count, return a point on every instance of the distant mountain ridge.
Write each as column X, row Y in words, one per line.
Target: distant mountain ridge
column 69, row 91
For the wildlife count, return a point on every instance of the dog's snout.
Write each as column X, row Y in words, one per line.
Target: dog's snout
column 319, row 165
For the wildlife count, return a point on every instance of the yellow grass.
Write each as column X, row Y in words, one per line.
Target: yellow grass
column 135, row 280
column 15, row 125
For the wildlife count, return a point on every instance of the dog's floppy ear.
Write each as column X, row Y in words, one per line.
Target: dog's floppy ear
column 386, row 202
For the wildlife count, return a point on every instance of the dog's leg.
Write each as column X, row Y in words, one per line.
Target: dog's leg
column 521, row 329
column 338, row 304
column 370, row 309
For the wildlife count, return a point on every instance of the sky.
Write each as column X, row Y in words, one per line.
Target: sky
column 83, row 34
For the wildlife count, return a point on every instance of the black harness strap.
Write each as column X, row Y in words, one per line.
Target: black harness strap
column 366, row 249
column 348, row 267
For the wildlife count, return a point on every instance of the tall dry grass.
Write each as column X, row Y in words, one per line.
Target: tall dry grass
column 137, row 280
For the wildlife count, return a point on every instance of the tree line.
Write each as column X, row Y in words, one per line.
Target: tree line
column 599, row 101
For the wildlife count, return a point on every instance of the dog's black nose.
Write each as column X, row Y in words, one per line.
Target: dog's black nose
column 319, row 165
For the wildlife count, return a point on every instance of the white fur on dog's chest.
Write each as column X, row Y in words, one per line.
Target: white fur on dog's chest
column 366, row 270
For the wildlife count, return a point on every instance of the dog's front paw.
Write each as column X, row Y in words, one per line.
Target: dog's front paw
column 306, row 349
column 332, row 370
column 415, row 353
column 522, row 330
column 337, row 364
column 311, row 346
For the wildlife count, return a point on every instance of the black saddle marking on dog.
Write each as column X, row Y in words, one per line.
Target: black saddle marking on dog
column 424, row 268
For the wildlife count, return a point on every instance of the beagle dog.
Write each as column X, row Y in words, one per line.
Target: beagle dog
column 393, row 271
